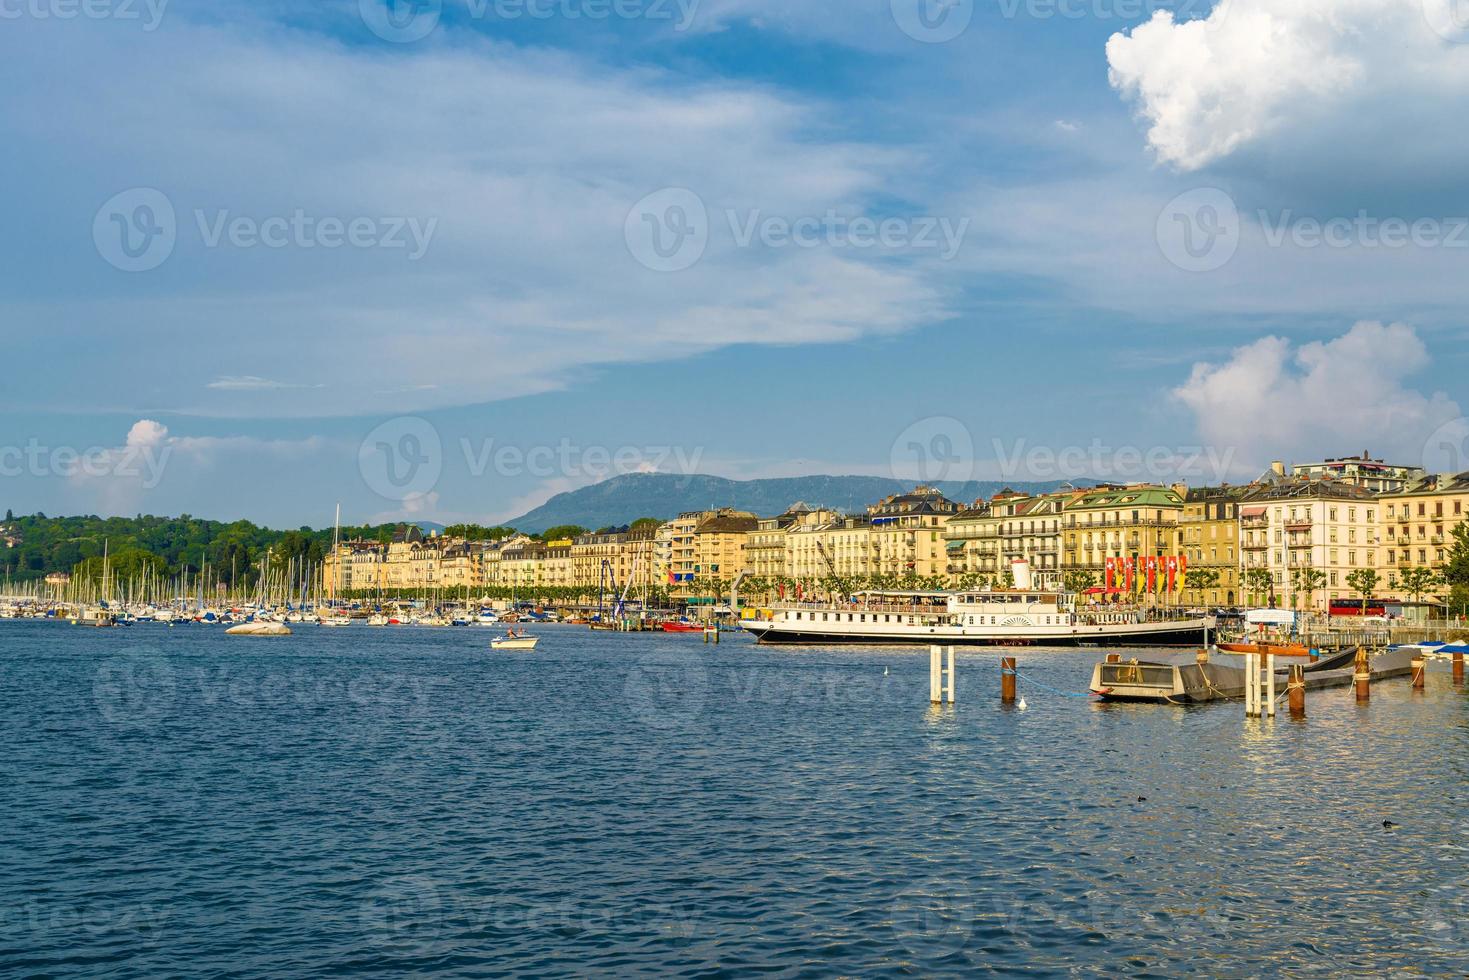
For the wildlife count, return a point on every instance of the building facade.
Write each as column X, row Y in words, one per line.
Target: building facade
column 1308, row 536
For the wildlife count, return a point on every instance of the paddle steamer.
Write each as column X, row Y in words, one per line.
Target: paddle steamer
column 1008, row 617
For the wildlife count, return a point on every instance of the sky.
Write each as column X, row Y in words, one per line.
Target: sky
column 442, row 259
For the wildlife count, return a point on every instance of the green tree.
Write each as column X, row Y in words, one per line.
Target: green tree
column 1307, row 580
column 1078, row 580
column 561, row 532
column 1416, row 581
column 1364, row 582
column 1456, row 569
column 644, row 522
column 1260, row 583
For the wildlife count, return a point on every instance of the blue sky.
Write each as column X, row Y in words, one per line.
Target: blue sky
column 264, row 251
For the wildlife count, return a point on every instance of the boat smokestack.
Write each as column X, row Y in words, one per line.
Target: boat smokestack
column 1020, row 569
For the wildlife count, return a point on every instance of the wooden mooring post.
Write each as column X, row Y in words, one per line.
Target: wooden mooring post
column 1420, row 672
column 1362, row 676
column 1458, row 668
column 941, row 676
column 1295, row 691
column 1007, row 680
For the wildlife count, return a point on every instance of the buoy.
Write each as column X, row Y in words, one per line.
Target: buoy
column 1021, row 705
column 884, row 672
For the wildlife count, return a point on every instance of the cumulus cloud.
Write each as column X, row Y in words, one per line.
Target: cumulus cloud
column 1273, row 399
column 1305, row 74
column 118, row 479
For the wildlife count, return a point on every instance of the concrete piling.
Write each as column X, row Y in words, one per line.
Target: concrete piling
column 941, row 680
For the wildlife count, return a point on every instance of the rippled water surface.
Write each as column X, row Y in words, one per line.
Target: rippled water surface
column 394, row 800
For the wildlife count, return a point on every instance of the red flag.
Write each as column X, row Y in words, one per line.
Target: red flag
column 1152, row 573
column 1171, row 562
column 1131, row 567
column 1109, row 564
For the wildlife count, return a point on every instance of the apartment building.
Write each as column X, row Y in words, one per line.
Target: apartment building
column 1418, row 524
column 1299, row 529
column 906, row 536
column 1138, row 521
column 1209, row 539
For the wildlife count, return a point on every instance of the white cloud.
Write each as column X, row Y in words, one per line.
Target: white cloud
column 1308, row 78
column 249, row 382
column 1272, row 399
column 529, row 161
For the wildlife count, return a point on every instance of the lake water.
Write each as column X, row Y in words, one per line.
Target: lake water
column 399, row 800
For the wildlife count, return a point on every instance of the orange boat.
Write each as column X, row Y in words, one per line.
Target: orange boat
column 1279, row 649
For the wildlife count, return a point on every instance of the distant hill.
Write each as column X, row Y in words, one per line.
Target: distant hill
column 665, row 495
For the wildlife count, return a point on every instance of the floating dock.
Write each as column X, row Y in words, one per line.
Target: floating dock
column 1176, row 680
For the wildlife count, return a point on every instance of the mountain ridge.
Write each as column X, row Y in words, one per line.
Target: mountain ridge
column 627, row 497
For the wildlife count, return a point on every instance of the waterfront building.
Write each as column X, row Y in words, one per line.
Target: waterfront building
column 708, row 546
column 824, row 543
column 971, row 542
column 1209, row 539
column 907, row 533
column 1418, row 524
column 765, row 548
column 1363, row 471
column 1137, row 522
column 1299, row 530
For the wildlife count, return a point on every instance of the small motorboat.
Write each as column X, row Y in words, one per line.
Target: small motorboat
column 1279, row 649
column 514, row 642
column 681, row 626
